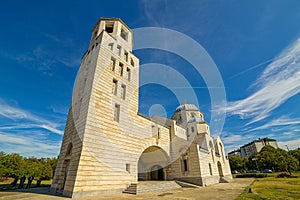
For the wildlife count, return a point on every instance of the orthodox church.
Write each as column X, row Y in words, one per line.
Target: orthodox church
column 109, row 147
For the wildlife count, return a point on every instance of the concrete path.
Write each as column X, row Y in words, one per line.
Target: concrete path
column 224, row 191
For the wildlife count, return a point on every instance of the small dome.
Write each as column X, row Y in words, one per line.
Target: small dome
column 186, row 107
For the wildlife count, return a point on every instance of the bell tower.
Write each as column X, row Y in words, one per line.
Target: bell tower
column 104, row 104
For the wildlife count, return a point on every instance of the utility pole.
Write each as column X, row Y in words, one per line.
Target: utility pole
column 288, row 163
column 287, row 148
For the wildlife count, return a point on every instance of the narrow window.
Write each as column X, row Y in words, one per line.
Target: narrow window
column 158, row 133
column 210, row 169
column 128, row 167
column 121, row 66
column 192, row 129
column 124, row 34
column 111, row 46
column 123, row 94
column 95, row 34
column 117, row 113
column 113, row 64
column 185, row 165
column 126, row 56
column 115, row 87
column 69, row 149
column 128, row 74
column 109, row 27
column 119, row 50
column 132, row 62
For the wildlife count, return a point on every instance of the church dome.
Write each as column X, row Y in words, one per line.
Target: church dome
column 187, row 107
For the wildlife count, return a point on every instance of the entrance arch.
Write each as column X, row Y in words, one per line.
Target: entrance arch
column 152, row 163
column 220, row 169
column 157, row 173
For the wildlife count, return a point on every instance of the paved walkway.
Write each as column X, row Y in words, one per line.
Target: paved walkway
column 224, row 191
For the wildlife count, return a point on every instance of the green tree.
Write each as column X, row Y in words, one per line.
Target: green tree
column 267, row 158
column 237, row 163
column 53, row 163
column 275, row 159
column 12, row 165
column 296, row 154
column 2, row 154
column 288, row 162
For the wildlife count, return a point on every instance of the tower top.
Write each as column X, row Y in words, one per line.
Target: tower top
column 117, row 29
column 109, row 19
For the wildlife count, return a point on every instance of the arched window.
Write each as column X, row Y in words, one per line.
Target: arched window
column 212, row 151
column 222, row 153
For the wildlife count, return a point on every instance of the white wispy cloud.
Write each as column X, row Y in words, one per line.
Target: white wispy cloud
column 44, row 57
column 27, row 119
column 284, row 121
column 292, row 144
column 28, row 145
column 233, row 140
column 278, row 82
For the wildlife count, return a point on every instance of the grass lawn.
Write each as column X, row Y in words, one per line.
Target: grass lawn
column 6, row 185
column 273, row 188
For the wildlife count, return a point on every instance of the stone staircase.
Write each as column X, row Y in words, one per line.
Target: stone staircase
column 150, row 186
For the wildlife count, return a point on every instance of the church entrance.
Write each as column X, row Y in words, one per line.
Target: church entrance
column 157, row 173
column 152, row 163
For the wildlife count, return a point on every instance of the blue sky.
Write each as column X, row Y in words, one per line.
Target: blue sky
column 255, row 45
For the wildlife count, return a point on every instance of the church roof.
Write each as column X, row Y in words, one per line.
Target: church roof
column 186, row 107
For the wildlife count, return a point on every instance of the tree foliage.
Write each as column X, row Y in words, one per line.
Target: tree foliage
column 268, row 158
column 12, row 165
column 296, row 154
column 237, row 163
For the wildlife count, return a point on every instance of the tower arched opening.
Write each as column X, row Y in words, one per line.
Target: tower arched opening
column 152, row 163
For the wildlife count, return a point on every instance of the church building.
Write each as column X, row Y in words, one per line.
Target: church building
column 109, row 147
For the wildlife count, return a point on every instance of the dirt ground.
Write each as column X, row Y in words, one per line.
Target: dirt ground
column 224, row 191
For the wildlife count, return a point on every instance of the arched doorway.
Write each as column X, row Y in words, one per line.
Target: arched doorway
column 220, row 169
column 151, row 164
column 65, row 173
column 66, row 164
column 157, row 173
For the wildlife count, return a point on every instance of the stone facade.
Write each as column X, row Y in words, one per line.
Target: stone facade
column 108, row 145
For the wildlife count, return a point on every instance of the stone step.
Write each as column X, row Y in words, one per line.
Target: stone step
column 225, row 180
column 186, row 184
column 150, row 186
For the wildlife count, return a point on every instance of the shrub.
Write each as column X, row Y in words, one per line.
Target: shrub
column 285, row 175
column 261, row 175
column 251, row 175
